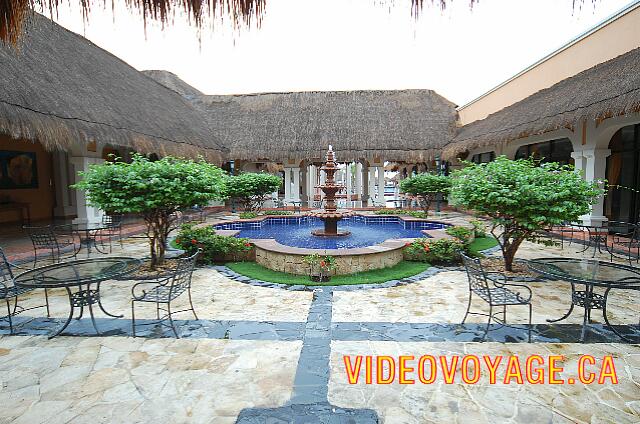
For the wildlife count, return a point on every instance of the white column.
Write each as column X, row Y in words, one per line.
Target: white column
column 358, row 184
column 313, row 175
column 304, row 184
column 296, row 185
column 595, row 165
column 287, row 184
column 365, row 184
column 381, row 185
column 85, row 213
column 63, row 177
column 372, row 184
column 348, row 184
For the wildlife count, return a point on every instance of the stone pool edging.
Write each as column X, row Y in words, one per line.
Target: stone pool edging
column 231, row 274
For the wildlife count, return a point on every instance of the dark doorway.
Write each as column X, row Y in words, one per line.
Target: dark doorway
column 623, row 175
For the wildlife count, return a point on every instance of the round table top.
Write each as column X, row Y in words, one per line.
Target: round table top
column 588, row 271
column 75, row 273
column 90, row 226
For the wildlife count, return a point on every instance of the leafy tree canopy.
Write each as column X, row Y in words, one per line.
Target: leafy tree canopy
column 154, row 189
column 522, row 197
column 252, row 189
column 425, row 186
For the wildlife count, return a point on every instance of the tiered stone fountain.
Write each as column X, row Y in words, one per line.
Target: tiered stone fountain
column 330, row 215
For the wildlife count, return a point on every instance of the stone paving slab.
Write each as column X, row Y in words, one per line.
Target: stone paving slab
column 487, row 403
column 108, row 380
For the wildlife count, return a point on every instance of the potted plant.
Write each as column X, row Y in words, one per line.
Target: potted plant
column 320, row 267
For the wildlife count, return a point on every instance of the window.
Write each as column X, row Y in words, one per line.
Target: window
column 483, row 157
column 548, row 151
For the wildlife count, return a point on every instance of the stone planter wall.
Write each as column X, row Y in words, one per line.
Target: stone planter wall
column 290, row 260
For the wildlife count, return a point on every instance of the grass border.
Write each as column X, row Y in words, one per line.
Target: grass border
column 399, row 271
column 482, row 243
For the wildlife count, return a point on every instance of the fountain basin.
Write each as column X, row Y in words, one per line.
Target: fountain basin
column 375, row 241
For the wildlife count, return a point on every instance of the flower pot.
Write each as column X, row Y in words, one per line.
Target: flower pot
column 320, row 278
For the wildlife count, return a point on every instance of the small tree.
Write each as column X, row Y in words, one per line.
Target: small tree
column 252, row 189
column 156, row 190
column 522, row 197
column 425, row 187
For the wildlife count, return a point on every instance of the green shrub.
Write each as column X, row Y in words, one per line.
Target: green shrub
column 425, row 187
column 252, row 189
column 248, row 215
column 389, row 212
column 440, row 251
column 479, row 228
column 278, row 213
column 215, row 248
column 462, row 234
column 522, row 197
column 415, row 214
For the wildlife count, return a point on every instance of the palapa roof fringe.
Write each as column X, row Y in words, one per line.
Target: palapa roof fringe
column 62, row 90
column 606, row 90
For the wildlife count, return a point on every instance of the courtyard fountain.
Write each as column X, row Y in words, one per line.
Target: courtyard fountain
column 330, row 215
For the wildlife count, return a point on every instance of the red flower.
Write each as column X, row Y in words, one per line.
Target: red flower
column 426, row 247
column 323, row 264
column 194, row 241
column 407, row 244
column 248, row 244
column 178, row 241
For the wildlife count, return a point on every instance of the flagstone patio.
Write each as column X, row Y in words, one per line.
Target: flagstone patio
column 259, row 352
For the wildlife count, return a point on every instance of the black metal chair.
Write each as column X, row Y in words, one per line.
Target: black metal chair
column 113, row 224
column 195, row 214
column 56, row 241
column 165, row 290
column 493, row 288
column 627, row 235
column 9, row 291
column 566, row 231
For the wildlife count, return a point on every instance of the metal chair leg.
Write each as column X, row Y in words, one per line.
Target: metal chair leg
column 468, row 308
column 46, row 300
column 191, row 303
column 133, row 318
column 9, row 316
column 488, row 323
column 173, row 327
column 530, row 325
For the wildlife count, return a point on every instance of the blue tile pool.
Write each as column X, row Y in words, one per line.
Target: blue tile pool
column 365, row 231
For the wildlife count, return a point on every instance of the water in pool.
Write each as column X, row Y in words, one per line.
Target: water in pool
column 365, row 231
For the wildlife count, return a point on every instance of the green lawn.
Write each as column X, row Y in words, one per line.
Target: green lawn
column 402, row 270
column 480, row 244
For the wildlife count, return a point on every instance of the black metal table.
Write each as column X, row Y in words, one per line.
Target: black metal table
column 86, row 275
column 590, row 273
column 88, row 234
column 597, row 236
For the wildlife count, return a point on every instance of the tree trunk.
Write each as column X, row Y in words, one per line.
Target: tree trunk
column 157, row 231
column 509, row 252
column 426, row 204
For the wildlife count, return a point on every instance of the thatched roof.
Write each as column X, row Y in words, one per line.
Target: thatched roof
column 609, row 89
column 406, row 125
column 60, row 89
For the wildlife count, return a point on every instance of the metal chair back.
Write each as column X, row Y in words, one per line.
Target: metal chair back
column 181, row 280
column 6, row 274
column 42, row 237
column 112, row 221
column 478, row 282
